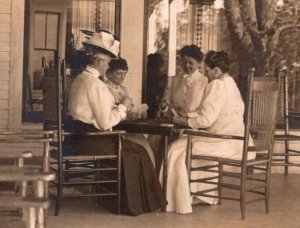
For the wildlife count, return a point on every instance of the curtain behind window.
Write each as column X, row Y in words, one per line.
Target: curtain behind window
column 92, row 15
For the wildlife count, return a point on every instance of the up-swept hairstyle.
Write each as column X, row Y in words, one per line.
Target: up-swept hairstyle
column 192, row 51
column 117, row 64
column 218, row 59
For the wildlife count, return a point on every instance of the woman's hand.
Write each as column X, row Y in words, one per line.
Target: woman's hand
column 137, row 115
column 180, row 120
column 132, row 116
column 127, row 102
column 163, row 104
column 144, row 115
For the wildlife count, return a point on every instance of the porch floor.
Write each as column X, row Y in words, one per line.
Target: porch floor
column 284, row 212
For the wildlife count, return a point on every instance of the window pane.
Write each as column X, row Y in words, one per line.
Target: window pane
column 40, row 30
column 91, row 15
column 52, row 31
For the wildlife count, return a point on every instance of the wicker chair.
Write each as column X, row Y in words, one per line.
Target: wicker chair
column 72, row 169
column 284, row 117
column 260, row 124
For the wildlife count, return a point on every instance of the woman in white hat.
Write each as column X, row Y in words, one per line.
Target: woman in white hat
column 93, row 107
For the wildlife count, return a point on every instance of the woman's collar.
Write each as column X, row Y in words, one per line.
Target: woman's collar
column 111, row 84
column 94, row 72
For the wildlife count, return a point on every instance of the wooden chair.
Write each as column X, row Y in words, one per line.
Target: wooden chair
column 260, row 124
column 284, row 117
column 34, row 206
column 78, row 170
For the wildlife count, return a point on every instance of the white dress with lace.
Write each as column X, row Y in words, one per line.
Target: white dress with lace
column 221, row 112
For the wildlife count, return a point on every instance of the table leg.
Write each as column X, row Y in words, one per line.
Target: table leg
column 46, row 164
column 46, row 169
column 165, row 173
column 39, row 193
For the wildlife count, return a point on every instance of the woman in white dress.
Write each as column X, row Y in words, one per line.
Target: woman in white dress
column 116, row 74
column 184, row 95
column 220, row 112
column 93, row 107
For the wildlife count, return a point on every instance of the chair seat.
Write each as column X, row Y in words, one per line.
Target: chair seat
column 12, row 168
column 294, row 115
column 287, row 137
column 258, row 160
column 19, row 202
column 17, row 154
column 23, row 174
column 84, row 157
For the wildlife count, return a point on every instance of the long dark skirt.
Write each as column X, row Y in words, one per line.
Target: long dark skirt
column 141, row 190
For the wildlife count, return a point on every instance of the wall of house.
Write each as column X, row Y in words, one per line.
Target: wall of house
column 5, row 41
column 11, row 60
column 132, row 37
column 11, row 65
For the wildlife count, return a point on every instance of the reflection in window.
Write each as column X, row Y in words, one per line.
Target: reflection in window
column 174, row 24
column 204, row 24
column 92, row 15
column 87, row 16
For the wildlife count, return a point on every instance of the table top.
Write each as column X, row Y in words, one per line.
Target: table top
column 149, row 126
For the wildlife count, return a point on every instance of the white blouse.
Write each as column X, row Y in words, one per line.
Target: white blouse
column 91, row 101
column 222, row 108
column 185, row 93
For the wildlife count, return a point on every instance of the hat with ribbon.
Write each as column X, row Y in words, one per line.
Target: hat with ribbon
column 103, row 41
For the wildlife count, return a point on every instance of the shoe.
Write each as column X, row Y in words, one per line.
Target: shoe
column 196, row 201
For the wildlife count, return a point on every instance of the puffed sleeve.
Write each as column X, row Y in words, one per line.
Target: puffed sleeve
column 126, row 93
column 211, row 106
column 194, row 95
column 106, row 113
column 166, row 98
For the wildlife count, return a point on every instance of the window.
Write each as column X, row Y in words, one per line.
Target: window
column 46, row 26
column 92, row 15
column 56, row 28
column 174, row 24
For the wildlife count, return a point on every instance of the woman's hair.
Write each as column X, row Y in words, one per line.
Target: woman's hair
column 117, row 64
column 90, row 53
column 155, row 60
column 217, row 59
column 192, row 51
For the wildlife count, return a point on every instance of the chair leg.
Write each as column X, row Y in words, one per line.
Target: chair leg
column 286, row 151
column 97, row 177
column 58, row 192
column 242, row 197
column 242, row 205
column 119, row 170
column 30, row 218
column 67, row 167
column 40, row 212
column 57, row 205
column 267, row 202
column 220, row 182
column 267, row 188
column 60, row 181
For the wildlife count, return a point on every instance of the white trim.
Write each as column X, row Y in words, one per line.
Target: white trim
column 16, row 64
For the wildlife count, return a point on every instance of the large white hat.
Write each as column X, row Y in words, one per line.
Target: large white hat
column 105, row 41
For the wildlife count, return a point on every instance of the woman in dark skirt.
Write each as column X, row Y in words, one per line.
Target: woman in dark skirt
column 93, row 107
